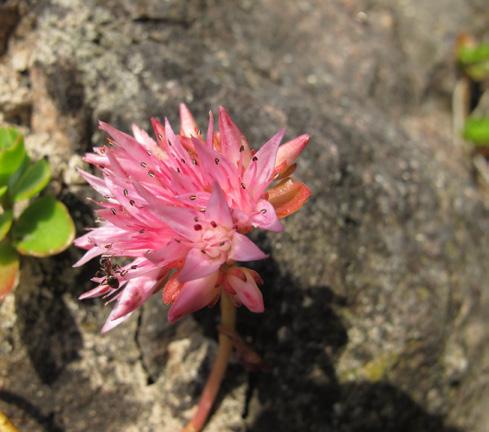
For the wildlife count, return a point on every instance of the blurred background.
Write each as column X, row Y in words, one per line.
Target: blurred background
column 376, row 294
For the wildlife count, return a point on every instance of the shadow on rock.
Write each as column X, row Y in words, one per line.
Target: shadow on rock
column 47, row 326
column 301, row 337
column 47, row 422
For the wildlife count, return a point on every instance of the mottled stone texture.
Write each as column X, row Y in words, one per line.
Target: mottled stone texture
column 376, row 294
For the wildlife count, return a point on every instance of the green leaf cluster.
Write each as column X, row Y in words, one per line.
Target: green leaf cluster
column 44, row 227
column 476, row 130
column 475, row 60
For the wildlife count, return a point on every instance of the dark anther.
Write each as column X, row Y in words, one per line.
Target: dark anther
column 213, row 224
column 243, row 186
column 108, row 246
column 241, row 149
column 143, row 164
column 126, row 192
column 197, row 227
column 113, row 211
column 216, row 160
column 132, row 202
column 134, row 267
column 193, row 197
column 263, row 211
column 151, row 173
column 254, row 158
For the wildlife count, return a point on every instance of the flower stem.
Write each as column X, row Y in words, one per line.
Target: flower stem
column 228, row 322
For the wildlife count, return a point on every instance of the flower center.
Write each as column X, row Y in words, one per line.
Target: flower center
column 216, row 242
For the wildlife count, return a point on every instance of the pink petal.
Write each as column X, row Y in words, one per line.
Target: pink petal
column 247, row 292
column 198, row 265
column 266, row 217
column 291, row 150
column 258, row 175
column 188, row 126
column 218, row 209
column 111, row 323
column 210, row 131
column 90, row 254
column 98, row 291
column 243, row 249
column 133, row 295
column 194, row 295
column 232, row 140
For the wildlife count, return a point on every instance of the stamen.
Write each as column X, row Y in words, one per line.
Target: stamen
column 151, row 173
column 108, row 246
column 132, row 202
column 160, row 136
column 193, row 197
column 134, row 267
column 254, row 158
column 263, row 211
column 126, row 192
column 213, row 224
column 216, row 160
column 141, row 231
column 241, row 149
column 113, row 211
column 197, row 227
column 243, row 186
column 143, row 164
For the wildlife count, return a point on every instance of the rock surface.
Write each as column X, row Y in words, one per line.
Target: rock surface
column 377, row 292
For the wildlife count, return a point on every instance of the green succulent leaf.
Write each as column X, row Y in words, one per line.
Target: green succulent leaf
column 3, row 189
column 476, row 130
column 44, row 228
column 32, row 181
column 6, row 219
column 9, row 268
column 12, row 153
column 469, row 55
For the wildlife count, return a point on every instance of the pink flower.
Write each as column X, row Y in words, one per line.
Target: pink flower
column 178, row 207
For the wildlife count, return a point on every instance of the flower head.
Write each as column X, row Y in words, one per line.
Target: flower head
column 179, row 206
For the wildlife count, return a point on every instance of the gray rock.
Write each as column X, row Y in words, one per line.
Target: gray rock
column 377, row 292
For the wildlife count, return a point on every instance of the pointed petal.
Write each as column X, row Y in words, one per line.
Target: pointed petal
column 243, row 249
column 194, row 295
column 218, row 209
column 188, row 126
column 98, row 291
column 210, row 131
column 134, row 294
column 198, row 265
column 291, row 150
column 247, row 292
column 111, row 323
column 90, row 254
column 232, row 140
column 258, row 175
column 288, row 197
column 266, row 218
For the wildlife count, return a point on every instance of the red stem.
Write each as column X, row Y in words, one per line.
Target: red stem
column 208, row 397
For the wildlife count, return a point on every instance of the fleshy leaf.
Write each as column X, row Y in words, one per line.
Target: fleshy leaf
column 12, row 153
column 469, row 55
column 9, row 269
column 476, row 130
column 44, row 228
column 288, row 197
column 5, row 223
column 3, row 189
column 32, row 181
